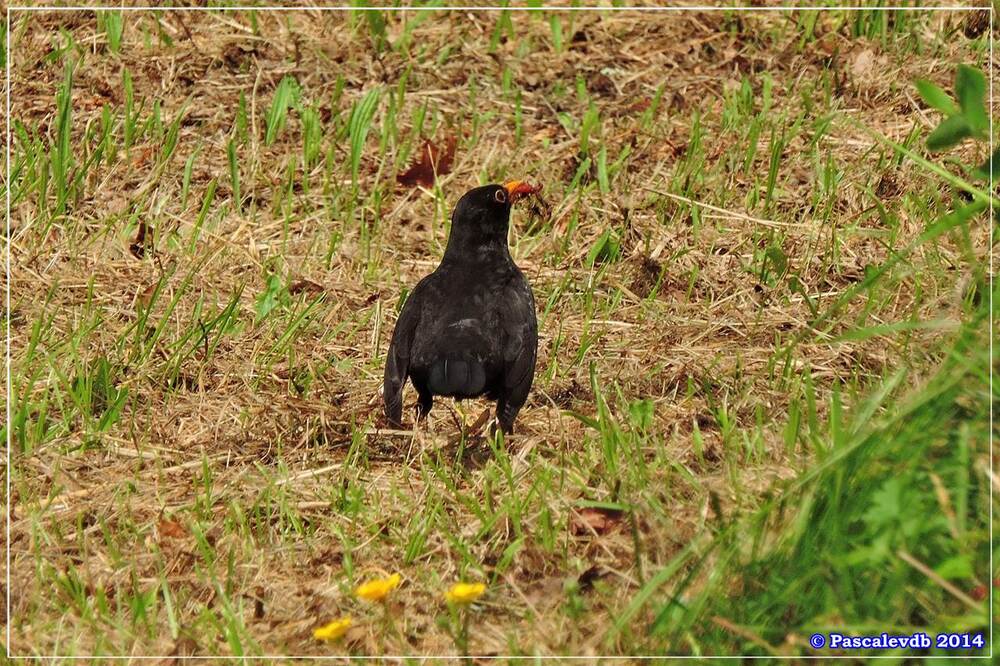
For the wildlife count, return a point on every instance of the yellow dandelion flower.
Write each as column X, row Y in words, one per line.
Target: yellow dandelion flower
column 464, row 593
column 334, row 630
column 378, row 589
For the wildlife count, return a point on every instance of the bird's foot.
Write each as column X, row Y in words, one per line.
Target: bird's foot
column 497, row 426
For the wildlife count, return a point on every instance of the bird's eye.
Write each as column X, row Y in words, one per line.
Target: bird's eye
column 500, row 196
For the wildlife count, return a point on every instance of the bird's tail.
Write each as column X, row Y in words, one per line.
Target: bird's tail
column 392, row 400
column 457, row 377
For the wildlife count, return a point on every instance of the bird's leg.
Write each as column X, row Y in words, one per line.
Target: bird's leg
column 506, row 413
column 424, row 403
column 505, row 416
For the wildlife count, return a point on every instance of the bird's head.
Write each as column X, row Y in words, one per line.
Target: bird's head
column 488, row 207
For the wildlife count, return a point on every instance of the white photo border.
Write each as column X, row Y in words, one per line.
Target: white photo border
column 94, row 8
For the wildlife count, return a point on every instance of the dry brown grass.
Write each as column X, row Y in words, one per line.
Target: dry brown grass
column 297, row 513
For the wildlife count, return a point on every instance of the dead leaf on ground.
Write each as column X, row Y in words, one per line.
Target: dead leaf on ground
column 300, row 286
column 144, row 297
column 639, row 106
column 138, row 248
column 142, row 156
column 434, row 161
column 590, row 520
column 827, row 46
column 587, row 578
column 171, row 529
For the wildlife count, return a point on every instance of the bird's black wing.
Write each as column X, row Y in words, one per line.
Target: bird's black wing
column 520, row 328
column 398, row 358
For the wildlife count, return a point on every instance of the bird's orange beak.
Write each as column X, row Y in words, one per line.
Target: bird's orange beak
column 517, row 189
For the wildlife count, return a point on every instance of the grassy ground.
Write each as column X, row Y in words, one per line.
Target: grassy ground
column 741, row 428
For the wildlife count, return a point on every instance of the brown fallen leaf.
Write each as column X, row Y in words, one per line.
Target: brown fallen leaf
column 590, row 520
column 138, row 248
column 142, row 156
column 171, row 529
column 587, row 578
column 639, row 106
column 477, row 425
column 145, row 296
column 300, row 286
column 434, row 161
column 827, row 45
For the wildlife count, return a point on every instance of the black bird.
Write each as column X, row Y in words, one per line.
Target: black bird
column 468, row 329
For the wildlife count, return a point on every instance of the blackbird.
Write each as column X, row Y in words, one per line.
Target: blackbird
column 468, row 329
